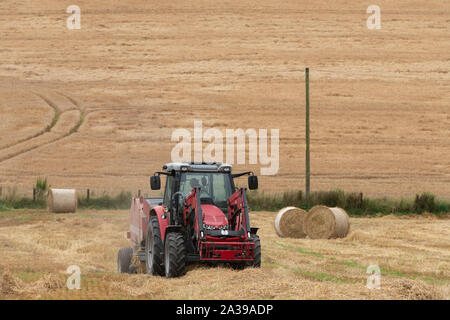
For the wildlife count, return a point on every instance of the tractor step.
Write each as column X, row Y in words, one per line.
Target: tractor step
column 192, row 257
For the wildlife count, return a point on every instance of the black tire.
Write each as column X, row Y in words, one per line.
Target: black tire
column 239, row 266
column 154, row 248
column 124, row 260
column 257, row 261
column 174, row 255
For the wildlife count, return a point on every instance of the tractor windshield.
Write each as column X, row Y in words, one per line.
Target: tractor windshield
column 214, row 186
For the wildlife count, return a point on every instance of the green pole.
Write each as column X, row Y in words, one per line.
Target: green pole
column 308, row 169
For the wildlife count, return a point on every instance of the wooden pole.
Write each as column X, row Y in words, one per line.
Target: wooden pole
column 34, row 194
column 88, row 195
column 308, row 169
column 361, row 200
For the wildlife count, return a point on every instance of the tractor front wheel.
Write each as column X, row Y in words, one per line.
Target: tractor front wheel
column 154, row 248
column 257, row 260
column 174, row 255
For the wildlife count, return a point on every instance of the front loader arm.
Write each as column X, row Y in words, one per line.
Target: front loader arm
column 192, row 203
column 238, row 210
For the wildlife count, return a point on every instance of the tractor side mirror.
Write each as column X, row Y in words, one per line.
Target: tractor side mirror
column 252, row 182
column 155, row 182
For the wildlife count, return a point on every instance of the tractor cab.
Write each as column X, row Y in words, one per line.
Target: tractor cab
column 216, row 185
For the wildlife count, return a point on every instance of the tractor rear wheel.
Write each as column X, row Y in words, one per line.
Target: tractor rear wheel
column 154, row 248
column 124, row 260
column 174, row 255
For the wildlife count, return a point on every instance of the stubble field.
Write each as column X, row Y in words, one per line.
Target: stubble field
column 412, row 253
column 95, row 108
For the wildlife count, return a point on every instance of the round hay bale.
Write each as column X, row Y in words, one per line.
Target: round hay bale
column 289, row 222
column 326, row 223
column 62, row 200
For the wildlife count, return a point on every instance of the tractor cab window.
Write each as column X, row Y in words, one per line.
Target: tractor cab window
column 221, row 188
column 215, row 187
column 168, row 191
column 191, row 180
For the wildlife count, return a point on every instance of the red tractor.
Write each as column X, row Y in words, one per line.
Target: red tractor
column 202, row 217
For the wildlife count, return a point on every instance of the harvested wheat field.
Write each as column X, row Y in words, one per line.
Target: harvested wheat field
column 95, row 107
column 412, row 253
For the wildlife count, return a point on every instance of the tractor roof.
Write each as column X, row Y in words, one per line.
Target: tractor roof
column 197, row 166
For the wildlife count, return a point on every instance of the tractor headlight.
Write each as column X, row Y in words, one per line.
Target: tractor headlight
column 225, row 168
column 208, row 227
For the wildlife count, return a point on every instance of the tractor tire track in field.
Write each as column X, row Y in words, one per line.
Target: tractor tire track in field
column 65, row 122
column 41, row 132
